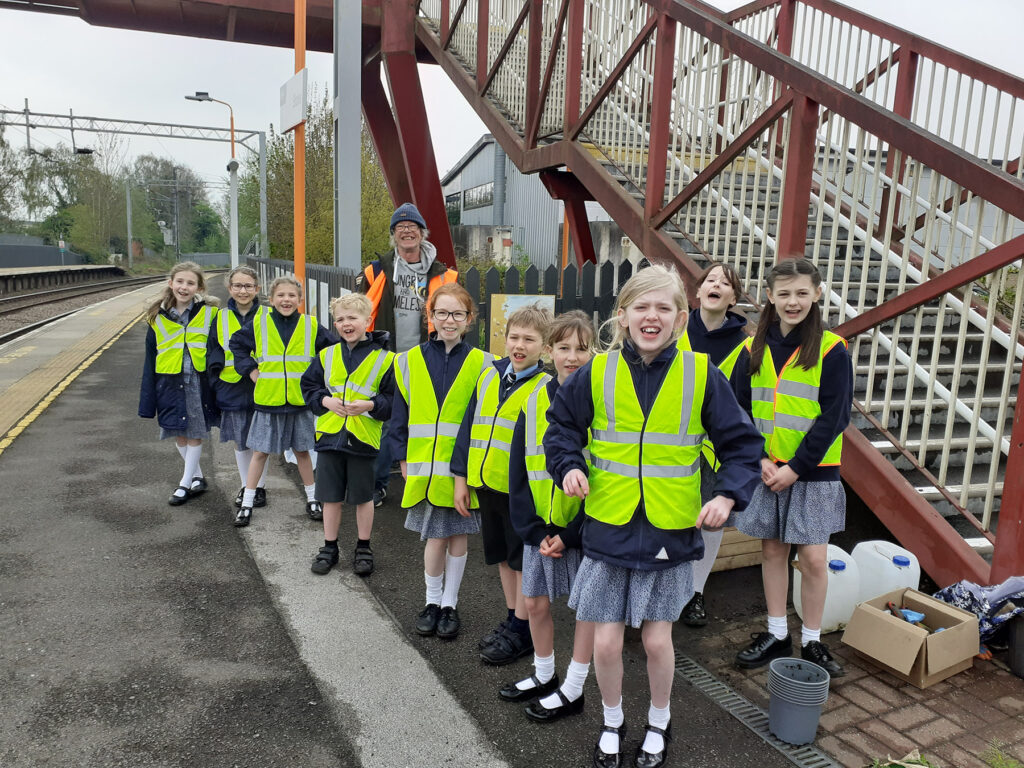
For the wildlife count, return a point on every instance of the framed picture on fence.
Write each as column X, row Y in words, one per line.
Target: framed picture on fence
column 503, row 305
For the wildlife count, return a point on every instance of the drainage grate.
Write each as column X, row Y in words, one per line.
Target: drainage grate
column 752, row 716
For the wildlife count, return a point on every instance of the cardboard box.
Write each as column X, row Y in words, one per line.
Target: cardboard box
column 910, row 652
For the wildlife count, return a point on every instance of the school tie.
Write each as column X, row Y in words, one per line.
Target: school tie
column 507, row 382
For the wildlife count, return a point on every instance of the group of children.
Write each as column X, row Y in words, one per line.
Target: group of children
column 608, row 482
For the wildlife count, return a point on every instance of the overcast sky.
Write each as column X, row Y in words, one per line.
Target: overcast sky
column 62, row 63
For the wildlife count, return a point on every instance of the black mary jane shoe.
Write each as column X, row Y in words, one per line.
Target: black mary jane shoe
column 176, row 500
column 198, row 486
column 244, row 517
column 541, row 714
column 240, row 497
column 512, row 692
column 644, row 759
column 614, row 759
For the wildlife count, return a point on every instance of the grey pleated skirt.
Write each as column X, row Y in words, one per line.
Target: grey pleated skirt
column 610, row 593
column 277, row 432
column 234, row 426
column 804, row 513
column 551, row 576
column 195, row 426
column 432, row 522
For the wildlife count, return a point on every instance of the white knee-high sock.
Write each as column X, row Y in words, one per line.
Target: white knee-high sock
column 192, row 454
column 181, row 450
column 454, row 567
column 242, row 459
column 702, row 568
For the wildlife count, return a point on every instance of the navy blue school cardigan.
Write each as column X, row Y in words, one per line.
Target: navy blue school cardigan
column 243, row 344
column 835, row 397
column 443, row 367
column 522, row 510
column 314, row 390
column 716, row 344
column 237, row 396
column 638, row 544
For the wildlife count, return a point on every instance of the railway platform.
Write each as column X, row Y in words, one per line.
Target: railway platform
column 141, row 634
column 18, row 279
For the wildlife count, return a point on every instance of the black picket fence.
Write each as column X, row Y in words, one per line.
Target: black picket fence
column 591, row 289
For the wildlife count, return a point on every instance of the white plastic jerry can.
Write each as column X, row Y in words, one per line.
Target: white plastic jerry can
column 885, row 566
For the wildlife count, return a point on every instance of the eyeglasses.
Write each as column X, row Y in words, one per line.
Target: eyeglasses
column 406, row 227
column 458, row 316
column 243, row 286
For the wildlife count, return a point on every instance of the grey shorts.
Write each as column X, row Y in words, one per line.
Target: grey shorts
column 344, row 477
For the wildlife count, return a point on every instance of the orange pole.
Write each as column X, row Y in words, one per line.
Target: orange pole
column 299, row 177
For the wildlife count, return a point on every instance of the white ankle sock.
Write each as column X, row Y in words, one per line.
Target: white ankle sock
column 192, row 454
column 454, row 567
column 572, row 685
column 310, row 492
column 248, row 497
column 659, row 718
column 242, row 460
column 613, row 717
column 777, row 626
column 809, row 635
column 434, row 584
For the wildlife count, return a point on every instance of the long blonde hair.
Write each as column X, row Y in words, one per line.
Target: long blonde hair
column 653, row 278
column 166, row 300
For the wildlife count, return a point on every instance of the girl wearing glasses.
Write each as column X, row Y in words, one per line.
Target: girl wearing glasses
column 435, row 383
column 234, row 391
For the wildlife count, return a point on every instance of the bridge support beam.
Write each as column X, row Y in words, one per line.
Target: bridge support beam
column 564, row 186
column 796, row 197
column 398, row 47
column 380, row 121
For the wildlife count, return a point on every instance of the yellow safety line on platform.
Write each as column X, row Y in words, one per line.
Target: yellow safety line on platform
column 43, row 404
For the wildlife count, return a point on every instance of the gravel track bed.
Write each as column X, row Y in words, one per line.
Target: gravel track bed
column 22, row 317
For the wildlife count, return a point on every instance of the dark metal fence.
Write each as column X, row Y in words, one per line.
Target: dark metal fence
column 591, row 289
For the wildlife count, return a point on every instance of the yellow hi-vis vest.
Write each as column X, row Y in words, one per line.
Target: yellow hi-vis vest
column 361, row 384
column 227, row 324
column 173, row 338
column 433, row 428
column 550, row 503
column 281, row 368
column 655, row 458
column 490, row 439
column 725, row 367
column 785, row 407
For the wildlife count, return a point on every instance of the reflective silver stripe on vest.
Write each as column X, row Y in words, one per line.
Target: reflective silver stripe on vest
column 763, row 394
column 266, row 375
column 610, row 367
column 225, row 330
column 503, row 422
column 649, row 470
column 174, row 337
column 264, row 337
column 798, row 389
column 495, row 443
column 195, row 345
column 532, row 449
column 402, row 364
column 789, row 421
column 478, row 416
column 537, row 475
column 426, row 468
column 427, row 430
column 764, row 426
column 481, row 444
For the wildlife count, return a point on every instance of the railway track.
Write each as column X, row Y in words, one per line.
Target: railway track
column 30, row 304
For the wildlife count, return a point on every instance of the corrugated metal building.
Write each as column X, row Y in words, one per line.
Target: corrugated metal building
column 486, row 188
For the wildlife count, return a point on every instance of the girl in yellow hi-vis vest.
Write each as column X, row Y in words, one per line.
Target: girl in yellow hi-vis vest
column 435, row 382
column 274, row 350
column 796, row 381
column 643, row 411
column 234, row 391
column 549, row 523
column 174, row 383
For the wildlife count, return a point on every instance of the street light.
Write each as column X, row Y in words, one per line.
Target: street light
column 233, row 177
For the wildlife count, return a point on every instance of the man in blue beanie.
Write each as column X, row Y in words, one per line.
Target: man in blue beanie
column 398, row 285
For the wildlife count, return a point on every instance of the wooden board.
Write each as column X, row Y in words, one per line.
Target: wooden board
column 738, row 551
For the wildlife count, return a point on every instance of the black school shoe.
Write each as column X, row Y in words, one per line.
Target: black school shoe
column 325, row 559
column 694, row 614
column 493, row 635
column 512, row 692
column 362, row 561
column 642, row 759
column 314, row 510
column 177, row 501
column 448, row 623
column 426, row 620
column 541, row 714
column 243, row 517
column 240, row 497
column 198, row 486
column 260, row 500
column 817, row 653
column 507, row 647
column 605, row 759
column 764, row 648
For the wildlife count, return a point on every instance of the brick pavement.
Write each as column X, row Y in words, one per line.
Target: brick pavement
column 872, row 714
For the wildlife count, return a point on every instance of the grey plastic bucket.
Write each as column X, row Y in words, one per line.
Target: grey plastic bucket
column 797, row 690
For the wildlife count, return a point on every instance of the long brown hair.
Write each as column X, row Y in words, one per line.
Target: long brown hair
column 811, row 328
column 166, row 300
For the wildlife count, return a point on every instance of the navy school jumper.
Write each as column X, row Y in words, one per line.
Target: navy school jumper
column 716, row 344
column 237, row 396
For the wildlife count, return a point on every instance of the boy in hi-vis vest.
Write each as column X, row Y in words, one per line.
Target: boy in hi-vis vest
column 481, row 461
column 349, row 387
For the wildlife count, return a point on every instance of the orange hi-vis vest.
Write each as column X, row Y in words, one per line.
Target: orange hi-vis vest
column 376, row 290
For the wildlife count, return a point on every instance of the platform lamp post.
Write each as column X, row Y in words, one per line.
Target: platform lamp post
column 233, row 178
